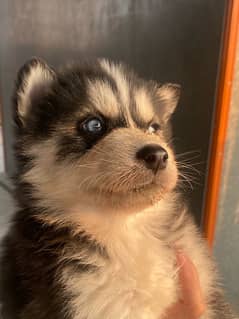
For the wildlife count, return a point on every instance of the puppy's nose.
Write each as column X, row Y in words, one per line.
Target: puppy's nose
column 154, row 157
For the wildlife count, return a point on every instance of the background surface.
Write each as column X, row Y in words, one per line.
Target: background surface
column 176, row 41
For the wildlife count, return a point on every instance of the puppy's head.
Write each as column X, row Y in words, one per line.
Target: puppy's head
column 93, row 136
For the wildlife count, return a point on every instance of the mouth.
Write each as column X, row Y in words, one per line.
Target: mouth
column 137, row 189
column 145, row 187
column 135, row 197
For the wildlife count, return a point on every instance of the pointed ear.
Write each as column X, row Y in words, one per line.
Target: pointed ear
column 168, row 96
column 33, row 82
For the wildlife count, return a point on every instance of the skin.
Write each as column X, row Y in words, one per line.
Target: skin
column 191, row 305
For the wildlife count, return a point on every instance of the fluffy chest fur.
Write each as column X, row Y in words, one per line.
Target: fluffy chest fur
column 138, row 279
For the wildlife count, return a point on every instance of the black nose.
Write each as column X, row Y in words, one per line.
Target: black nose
column 154, row 157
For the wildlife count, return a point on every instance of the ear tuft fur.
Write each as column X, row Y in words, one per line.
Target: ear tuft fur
column 168, row 95
column 33, row 81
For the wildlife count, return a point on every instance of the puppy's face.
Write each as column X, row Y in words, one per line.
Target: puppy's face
column 94, row 136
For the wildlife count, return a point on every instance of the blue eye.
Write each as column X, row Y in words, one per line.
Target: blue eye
column 93, row 125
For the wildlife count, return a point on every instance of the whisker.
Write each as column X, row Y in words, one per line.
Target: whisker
column 186, row 180
column 189, row 167
column 196, row 152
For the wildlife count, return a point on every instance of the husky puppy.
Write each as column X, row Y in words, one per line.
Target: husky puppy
column 98, row 211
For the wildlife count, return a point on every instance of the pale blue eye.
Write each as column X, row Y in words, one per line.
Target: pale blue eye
column 93, row 125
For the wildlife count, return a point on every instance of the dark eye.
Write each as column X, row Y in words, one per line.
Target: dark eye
column 154, row 127
column 93, row 125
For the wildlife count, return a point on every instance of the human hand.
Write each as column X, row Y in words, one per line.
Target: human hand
column 191, row 304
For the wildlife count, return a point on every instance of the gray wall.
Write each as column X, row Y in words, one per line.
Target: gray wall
column 226, row 246
column 165, row 40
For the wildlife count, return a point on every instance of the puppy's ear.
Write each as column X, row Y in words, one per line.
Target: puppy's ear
column 33, row 82
column 168, row 96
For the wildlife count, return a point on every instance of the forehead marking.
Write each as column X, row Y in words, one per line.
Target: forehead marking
column 103, row 98
column 122, row 84
column 144, row 108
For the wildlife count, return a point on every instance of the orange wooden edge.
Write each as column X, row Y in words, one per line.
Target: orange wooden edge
column 221, row 119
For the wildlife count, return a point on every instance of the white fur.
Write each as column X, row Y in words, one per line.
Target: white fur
column 168, row 99
column 37, row 76
column 140, row 278
column 118, row 75
column 103, row 98
column 144, row 107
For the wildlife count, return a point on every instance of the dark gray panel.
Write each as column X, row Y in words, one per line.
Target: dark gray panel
column 173, row 40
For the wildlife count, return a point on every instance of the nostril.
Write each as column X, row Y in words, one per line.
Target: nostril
column 154, row 157
column 163, row 160
column 165, row 157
